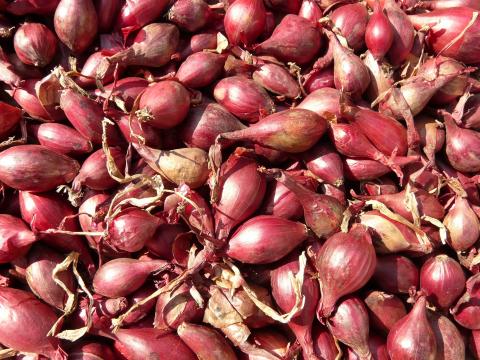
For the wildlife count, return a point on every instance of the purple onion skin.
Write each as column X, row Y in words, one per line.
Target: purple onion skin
column 265, row 239
column 146, row 343
column 205, row 122
column 76, row 24
column 35, row 168
column 295, row 39
column 200, row 69
column 349, row 324
column 450, row 342
column 463, row 147
column 356, row 248
column 22, row 313
column 413, row 337
column 351, row 20
column 443, row 280
column 395, row 274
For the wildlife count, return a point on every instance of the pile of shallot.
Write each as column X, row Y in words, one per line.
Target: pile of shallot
column 240, row 179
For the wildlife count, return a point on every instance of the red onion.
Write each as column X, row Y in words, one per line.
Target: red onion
column 24, row 7
column 395, row 274
column 282, row 202
column 197, row 43
column 324, row 343
column 463, row 147
column 403, row 33
column 200, row 69
column 10, row 116
column 292, row 131
column 94, row 173
column 104, row 310
column 205, row 122
column 277, row 80
column 153, row 46
column 25, row 322
column 241, row 191
column 379, row 33
column 443, row 280
column 131, row 228
column 206, row 342
column 377, row 346
column 428, row 204
column 186, row 165
column 323, row 213
column 76, row 23
column 126, row 89
column 445, row 66
column 350, row 141
column 176, row 307
column 324, row 162
column 253, row 101
column 90, row 351
column 366, row 169
column 350, row 74
column 89, row 69
column 161, row 242
column 148, row 342
column 412, row 337
column 45, row 211
column 284, row 295
column 384, row 309
column 107, row 11
column 265, row 239
column 447, row 4
column 310, row 10
column 319, row 79
column 285, row 6
column 445, row 26
column 143, row 310
column 137, row 13
column 190, row 15
column 462, row 224
column 86, row 117
column 338, row 279
column 35, row 44
column 417, row 94
column 351, row 20
column 349, row 324
column 35, row 168
column 63, row 139
column 15, row 238
column 323, row 101
column 41, row 263
column 121, row 277
column 467, row 310
column 157, row 100
column 392, row 137
column 26, row 97
column 295, row 39
column 450, row 342
column 391, row 236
